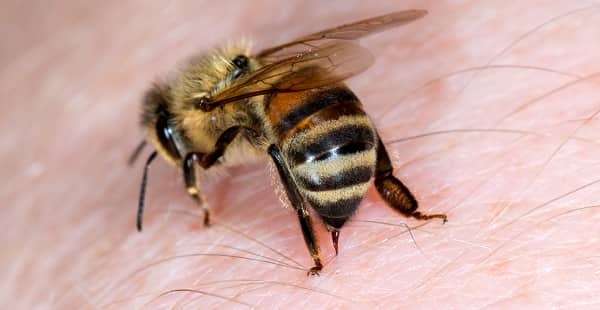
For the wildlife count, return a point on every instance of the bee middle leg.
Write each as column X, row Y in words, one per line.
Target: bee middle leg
column 298, row 203
column 393, row 191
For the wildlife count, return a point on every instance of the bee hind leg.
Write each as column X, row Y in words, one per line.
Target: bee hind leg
column 298, row 203
column 393, row 191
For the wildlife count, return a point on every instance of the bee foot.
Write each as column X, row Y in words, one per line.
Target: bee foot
column 314, row 271
column 206, row 218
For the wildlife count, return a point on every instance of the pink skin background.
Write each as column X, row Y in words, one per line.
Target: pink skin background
column 505, row 94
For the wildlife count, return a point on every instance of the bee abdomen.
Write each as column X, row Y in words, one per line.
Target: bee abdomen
column 333, row 163
column 334, row 154
column 330, row 146
column 335, row 186
column 335, row 194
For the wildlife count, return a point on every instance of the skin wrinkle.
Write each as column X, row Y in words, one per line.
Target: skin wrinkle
column 543, row 252
column 524, row 36
column 553, row 154
column 475, row 69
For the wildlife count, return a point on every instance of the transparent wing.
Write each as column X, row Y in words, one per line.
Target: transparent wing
column 319, row 59
column 322, row 66
column 351, row 31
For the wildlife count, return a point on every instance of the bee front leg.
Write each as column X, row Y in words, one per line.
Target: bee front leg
column 393, row 191
column 191, row 183
column 206, row 161
column 221, row 145
column 298, row 203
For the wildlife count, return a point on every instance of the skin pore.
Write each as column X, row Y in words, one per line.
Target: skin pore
column 488, row 110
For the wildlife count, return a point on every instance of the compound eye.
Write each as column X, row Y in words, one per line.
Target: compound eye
column 201, row 102
column 241, row 62
column 166, row 136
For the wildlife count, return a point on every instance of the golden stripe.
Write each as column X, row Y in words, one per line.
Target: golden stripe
column 332, row 196
column 334, row 166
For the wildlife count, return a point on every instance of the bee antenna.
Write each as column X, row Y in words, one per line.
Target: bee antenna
column 140, row 212
column 136, row 153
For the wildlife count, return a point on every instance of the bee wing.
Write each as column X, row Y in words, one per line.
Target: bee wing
column 319, row 59
column 325, row 65
column 352, row 31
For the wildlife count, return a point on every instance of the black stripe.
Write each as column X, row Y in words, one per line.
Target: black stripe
column 345, row 140
column 314, row 182
column 338, row 212
column 315, row 103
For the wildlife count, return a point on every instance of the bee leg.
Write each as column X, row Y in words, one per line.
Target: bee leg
column 393, row 191
column 191, row 184
column 206, row 161
column 221, row 145
column 298, row 203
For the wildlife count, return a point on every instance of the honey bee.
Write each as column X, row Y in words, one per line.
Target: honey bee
column 289, row 102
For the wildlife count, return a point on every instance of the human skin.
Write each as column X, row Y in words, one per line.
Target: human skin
column 506, row 93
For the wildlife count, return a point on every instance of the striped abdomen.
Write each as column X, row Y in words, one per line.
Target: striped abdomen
column 330, row 147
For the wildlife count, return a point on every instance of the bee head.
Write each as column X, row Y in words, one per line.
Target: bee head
column 171, row 108
column 207, row 74
column 160, row 125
